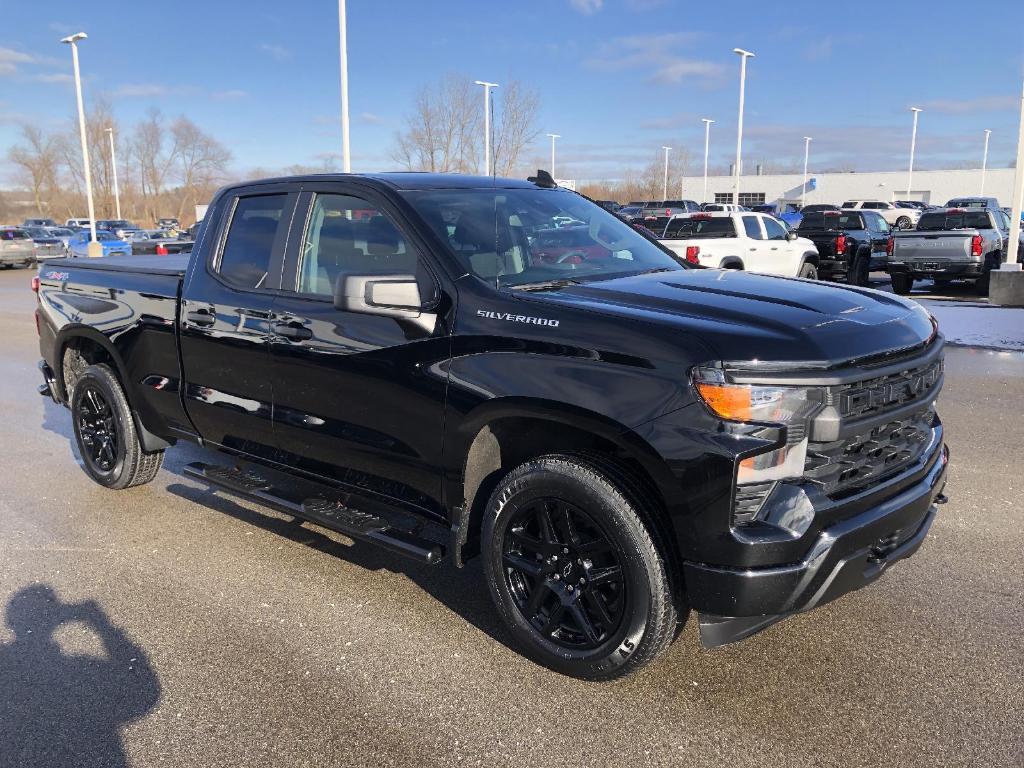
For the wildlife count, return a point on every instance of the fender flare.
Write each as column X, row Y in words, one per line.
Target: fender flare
column 731, row 262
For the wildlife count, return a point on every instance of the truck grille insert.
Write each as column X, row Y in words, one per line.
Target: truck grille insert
column 878, row 395
column 846, row 466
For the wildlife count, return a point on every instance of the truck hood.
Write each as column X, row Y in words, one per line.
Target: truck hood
column 743, row 316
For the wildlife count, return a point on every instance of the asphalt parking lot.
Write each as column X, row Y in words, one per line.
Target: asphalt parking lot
column 172, row 625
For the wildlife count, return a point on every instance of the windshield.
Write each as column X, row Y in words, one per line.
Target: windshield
column 105, row 236
column 934, row 222
column 512, row 237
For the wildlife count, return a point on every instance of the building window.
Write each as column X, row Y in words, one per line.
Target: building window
column 746, row 198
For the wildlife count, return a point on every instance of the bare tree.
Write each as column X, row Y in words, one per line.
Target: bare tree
column 37, row 160
column 443, row 131
column 201, row 162
column 516, row 127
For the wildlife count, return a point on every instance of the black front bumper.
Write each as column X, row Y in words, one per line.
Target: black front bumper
column 938, row 270
column 735, row 603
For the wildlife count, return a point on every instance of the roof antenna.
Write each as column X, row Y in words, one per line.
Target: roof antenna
column 543, row 179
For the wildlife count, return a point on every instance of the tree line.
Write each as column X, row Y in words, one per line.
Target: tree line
column 164, row 167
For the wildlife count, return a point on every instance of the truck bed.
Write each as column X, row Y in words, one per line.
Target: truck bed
column 175, row 264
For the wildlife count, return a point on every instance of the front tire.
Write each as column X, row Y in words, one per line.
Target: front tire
column 574, row 570
column 105, row 432
column 904, row 222
column 901, row 284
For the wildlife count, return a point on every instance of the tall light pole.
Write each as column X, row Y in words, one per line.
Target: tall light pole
column 664, row 186
column 1016, row 196
column 913, row 146
column 744, row 55
column 707, row 143
column 113, row 168
column 807, row 154
column 346, row 157
column 984, row 161
column 94, row 247
column 553, row 137
column 487, row 123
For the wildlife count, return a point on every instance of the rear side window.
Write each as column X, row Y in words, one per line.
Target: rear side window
column 845, row 221
column 849, row 204
column 752, row 228
column 685, row 229
column 245, row 260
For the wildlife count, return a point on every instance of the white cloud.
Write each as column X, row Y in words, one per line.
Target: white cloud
column 655, row 55
column 140, row 91
column 54, row 77
column 587, row 7
column 11, row 59
column 966, row 106
column 370, row 118
column 678, row 120
column 276, row 52
column 232, row 94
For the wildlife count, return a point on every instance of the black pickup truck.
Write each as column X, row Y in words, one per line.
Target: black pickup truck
column 621, row 437
column 850, row 243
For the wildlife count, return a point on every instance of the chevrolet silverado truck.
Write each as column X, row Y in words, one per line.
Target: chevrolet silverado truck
column 850, row 243
column 620, row 437
column 950, row 244
column 752, row 241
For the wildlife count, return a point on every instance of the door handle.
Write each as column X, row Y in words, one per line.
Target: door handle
column 294, row 331
column 200, row 317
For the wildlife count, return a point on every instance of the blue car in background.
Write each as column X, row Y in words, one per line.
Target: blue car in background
column 790, row 215
column 78, row 244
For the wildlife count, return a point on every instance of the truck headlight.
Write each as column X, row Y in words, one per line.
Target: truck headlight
column 770, row 405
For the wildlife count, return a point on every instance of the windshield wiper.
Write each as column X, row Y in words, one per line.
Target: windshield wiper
column 545, row 285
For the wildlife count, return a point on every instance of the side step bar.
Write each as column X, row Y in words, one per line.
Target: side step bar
column 359, row 524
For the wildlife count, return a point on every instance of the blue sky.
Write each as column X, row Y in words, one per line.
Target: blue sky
column 617, row 78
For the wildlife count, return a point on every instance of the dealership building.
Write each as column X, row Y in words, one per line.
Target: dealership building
column 935, row 187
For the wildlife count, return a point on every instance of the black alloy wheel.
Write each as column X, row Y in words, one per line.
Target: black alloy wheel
column 564, row 574
column 98, row 431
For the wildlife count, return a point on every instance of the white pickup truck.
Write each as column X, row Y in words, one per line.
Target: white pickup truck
column 755, row 242
column 898, row 218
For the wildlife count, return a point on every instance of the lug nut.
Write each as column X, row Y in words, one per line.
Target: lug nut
column 554, row 557
column 565, row 550
column 556, row 577
column 570, row 587
column 583, row 581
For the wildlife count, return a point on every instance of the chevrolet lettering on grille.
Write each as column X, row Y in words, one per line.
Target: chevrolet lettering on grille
column 883, row 393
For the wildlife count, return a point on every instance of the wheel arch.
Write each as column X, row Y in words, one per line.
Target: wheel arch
column 731, row 262
column 502, row 434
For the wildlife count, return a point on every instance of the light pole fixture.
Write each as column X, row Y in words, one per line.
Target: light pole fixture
column 94, row 247
column 807, row 154
column 744, row 55
column 487, row 123
column 913, row 146
column 664, row 186
column 346, row 157
column 707, row 143
column 553, row 137
column 984, row 161
column 113, row 168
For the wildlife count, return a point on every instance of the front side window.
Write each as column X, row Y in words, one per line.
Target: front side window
column 774, row 230
column 511, row 237
column 348, row 236
column 752, row 227
column 245, row 260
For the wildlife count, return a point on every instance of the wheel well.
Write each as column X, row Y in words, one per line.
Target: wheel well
column 505, row 443
column 811, row 258
column 77, row 354
column 730, row 263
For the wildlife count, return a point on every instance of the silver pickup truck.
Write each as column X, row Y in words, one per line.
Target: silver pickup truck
column 949, row 244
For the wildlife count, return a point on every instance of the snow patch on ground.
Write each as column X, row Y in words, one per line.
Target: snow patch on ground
column 979, row 325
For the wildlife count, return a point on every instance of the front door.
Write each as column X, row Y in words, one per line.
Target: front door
column 777, row 250
column 359, row 398
column 225, row 319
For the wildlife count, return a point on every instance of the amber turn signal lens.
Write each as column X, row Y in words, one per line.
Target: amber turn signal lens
column 728, row 401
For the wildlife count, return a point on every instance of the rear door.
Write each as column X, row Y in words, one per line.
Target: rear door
column 878, row 230
column 225, row 319
column 359, row 398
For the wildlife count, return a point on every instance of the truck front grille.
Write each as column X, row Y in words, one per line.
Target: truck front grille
column 884, row 393
column 844, row 467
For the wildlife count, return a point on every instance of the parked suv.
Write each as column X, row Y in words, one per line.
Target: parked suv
column 898, row 218
column 621, row 437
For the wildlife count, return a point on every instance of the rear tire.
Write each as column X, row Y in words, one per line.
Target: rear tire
column 808, row 271
column 860, row 271
column 901, row 284
column 105, row 432
column 574, row 570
